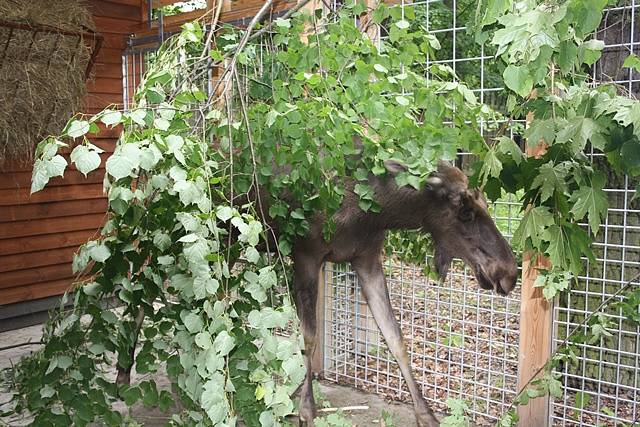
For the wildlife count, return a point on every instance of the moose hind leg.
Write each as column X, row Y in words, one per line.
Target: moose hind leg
column 306, row 292
column 371, row 275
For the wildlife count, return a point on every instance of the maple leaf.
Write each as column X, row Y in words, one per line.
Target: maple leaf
column 562, row 252
column 628, row 114
column 579, row 130
column 541, row 130
column 533, row 224
column 591, row 202
column 551, row 178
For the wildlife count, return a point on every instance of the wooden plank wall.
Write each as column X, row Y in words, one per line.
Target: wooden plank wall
column 40, row 233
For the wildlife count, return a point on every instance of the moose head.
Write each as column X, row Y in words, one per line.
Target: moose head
column 462, row 227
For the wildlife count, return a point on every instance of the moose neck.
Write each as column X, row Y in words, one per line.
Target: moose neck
column 400, row 207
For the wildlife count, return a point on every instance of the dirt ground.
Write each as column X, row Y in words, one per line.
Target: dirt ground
column 336, row 396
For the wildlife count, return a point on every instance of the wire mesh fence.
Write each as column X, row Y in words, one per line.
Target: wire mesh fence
column 463, row 342
column 603, row 388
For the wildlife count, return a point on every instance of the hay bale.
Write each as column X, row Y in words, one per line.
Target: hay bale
column 42, row 73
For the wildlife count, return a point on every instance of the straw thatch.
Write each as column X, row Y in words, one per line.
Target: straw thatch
column 42, row 72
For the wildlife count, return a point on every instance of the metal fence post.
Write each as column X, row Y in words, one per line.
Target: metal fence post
column 536, row 320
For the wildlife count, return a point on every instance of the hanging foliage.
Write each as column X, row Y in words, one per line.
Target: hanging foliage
column 201, row 297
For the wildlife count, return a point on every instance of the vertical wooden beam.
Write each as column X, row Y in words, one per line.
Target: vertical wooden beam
column 323, row 317
column 536, row 322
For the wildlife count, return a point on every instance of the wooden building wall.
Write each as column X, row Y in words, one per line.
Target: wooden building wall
column 39, row 233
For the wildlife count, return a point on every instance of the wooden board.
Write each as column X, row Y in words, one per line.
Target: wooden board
column 21, row 245
column 35, row 291
column 39, row 233
column 536, row 321
column 62, row 208
column 30, row 227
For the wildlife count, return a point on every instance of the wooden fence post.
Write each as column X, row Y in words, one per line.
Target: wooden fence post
column 536, row 322
column 324, row 292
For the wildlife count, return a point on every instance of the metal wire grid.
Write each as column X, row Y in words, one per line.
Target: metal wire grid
column 603, row 388
column 446, row 356
column 462, row 341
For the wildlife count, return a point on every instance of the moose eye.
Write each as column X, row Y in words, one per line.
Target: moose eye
column 466, row 214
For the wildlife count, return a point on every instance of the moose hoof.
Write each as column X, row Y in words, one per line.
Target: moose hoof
column 425, row 418
column 306, row 418
column 307, row 411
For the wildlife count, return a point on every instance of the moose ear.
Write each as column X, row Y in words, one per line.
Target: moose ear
column 444, row 166
column 394, row 167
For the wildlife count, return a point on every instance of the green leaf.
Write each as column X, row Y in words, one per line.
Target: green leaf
column 191, row 321
column 491, row 165
column 224, row 213
column 518, row 79
column 541, row 130
column 580, row 130
column 195, row 252
column 591, row 201
column 380, row 68
column 64, row 362
column 203, row 340
column 100, row 253
column 555, row 387
column 138, row 116
column 582, row 399
column 508, row 146
column 632, row 61
column 122, row 163
column 160, row 123
column 402, row 100
column 86, row 160
column 283, row 23
column 494, row 9
column 111, row 117
column 224, row 343
column 628, row 114
column 590, row 51
column 252, row 255
column 55, row 166
column 403, row 24
column 149, row 157
column 532, row 226
column 551, row 178
column 77, row 128
column 271, row 117
column 47, row 391
column 39, row 177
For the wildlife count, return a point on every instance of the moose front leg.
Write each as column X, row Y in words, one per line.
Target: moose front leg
column 306, row 270
column 372, row 282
